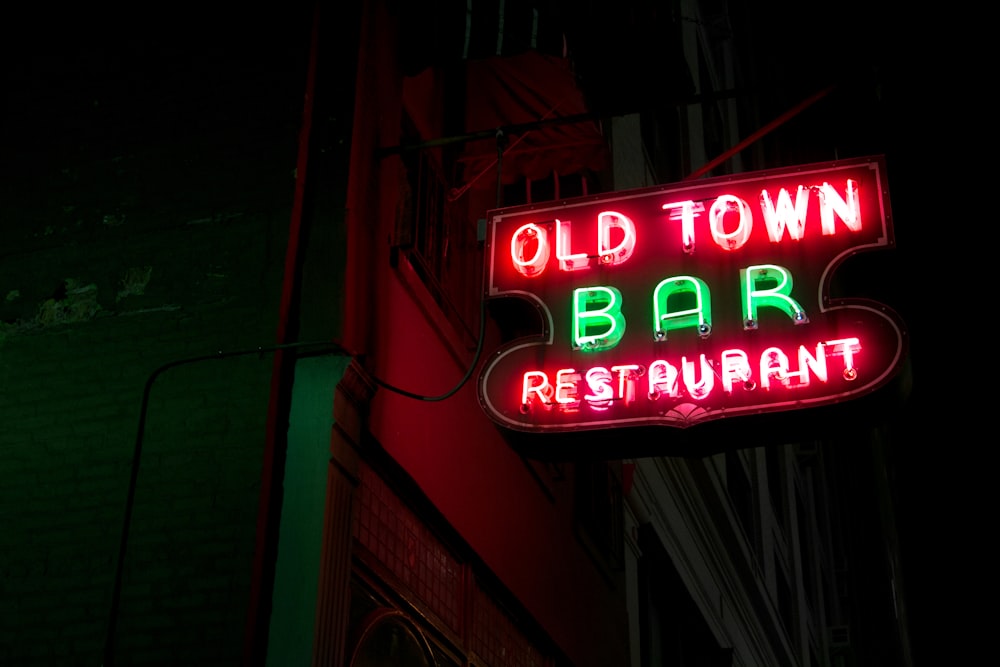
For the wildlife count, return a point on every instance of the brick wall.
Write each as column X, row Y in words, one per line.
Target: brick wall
column 118, row 256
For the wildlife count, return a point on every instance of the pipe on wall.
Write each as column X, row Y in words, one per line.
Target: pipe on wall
column 282, row 376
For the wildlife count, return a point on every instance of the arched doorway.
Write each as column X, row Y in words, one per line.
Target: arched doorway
column 388, row 638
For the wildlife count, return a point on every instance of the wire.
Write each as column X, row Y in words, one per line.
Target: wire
column 109, row 639
column 501, row 138
column 461, row 383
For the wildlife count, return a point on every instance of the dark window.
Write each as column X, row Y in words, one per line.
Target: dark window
column 672, row 630
column 389, row 639
column 662, row 144
column 776, row 481
column 410, row 586
column 741, row 496
column 551, row 188
column 436, row 236
column 806, row 549
column 785, row 601
column 598, row 511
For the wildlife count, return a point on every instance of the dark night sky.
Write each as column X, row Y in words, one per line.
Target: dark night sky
column 111, row 76
column 929, row 145
column 89, row 83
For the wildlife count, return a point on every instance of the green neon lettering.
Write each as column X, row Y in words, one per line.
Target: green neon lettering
column 694, row 299
column 598, row 323
column 768, row 285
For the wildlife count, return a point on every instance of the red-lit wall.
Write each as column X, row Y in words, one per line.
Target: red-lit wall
column 522, row 531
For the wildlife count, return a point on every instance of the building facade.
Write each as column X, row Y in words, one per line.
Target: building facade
column 243, row 325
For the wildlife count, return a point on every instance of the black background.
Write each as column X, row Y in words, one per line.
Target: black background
column 92, row 83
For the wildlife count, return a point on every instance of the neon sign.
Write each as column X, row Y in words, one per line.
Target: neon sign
column 682, row 304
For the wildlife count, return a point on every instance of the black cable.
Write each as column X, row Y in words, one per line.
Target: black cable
column 461, row 383
column 501, row 138
column 137, row 453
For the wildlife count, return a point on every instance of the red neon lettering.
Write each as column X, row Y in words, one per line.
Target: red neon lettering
column 619, row 386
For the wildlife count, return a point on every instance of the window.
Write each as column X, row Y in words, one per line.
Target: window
column 598, row 511
column 741, row 496
column 774, row 458
column 807, row 549
column 783, row 593
column 436, row 237
column 673, row 631
column 389, row 639
column 411, row 587
column 552, row 187
column 449, row 167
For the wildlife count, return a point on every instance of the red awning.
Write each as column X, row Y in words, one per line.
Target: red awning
column 525, row 89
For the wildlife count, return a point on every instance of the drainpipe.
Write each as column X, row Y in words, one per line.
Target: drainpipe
column 111, row 636
column 273, row 467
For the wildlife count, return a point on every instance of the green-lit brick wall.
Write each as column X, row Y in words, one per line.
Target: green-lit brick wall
column 85, row 324
column 147, row 192
column 141, row 222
